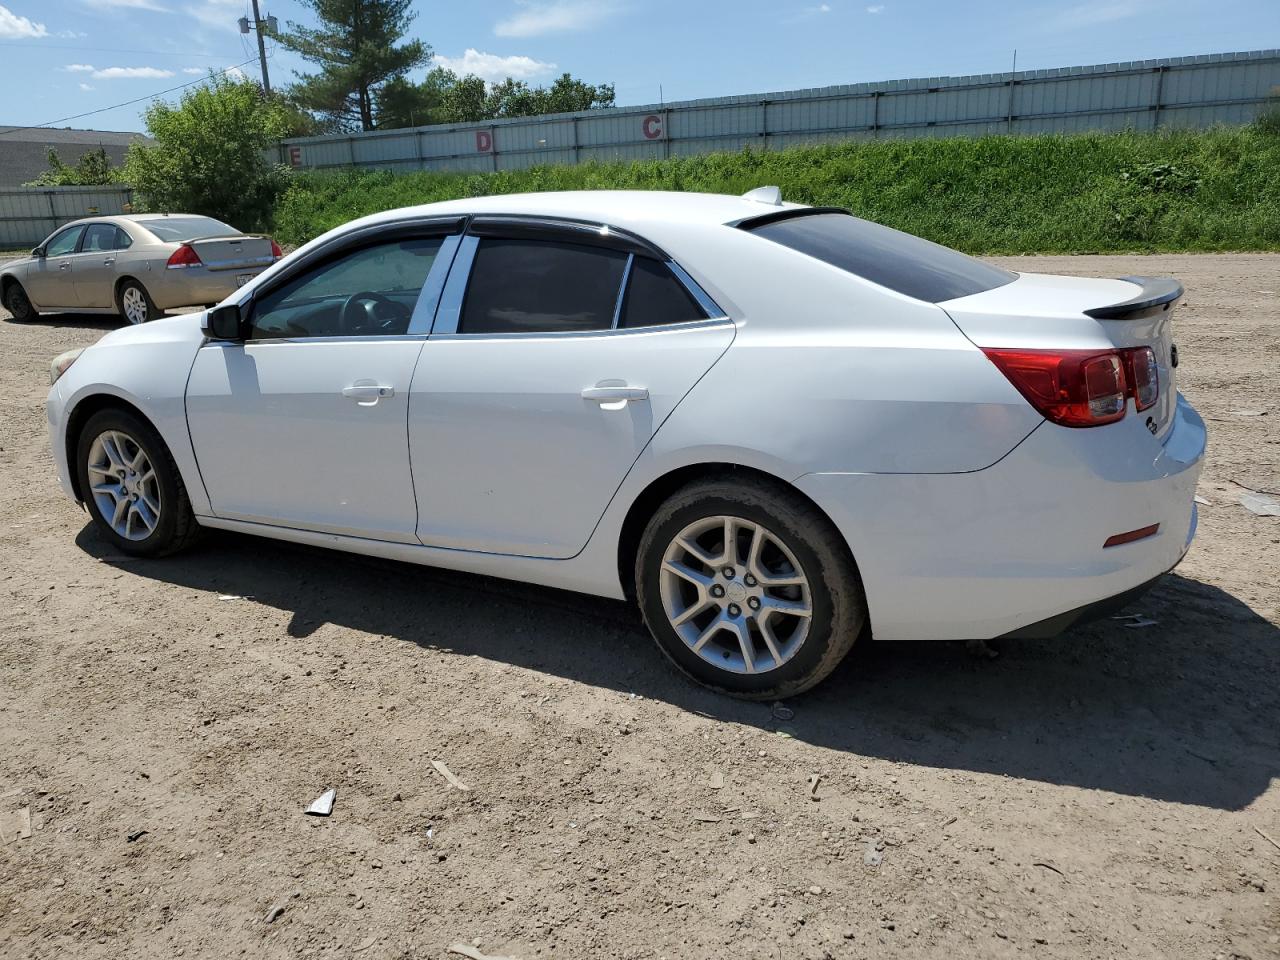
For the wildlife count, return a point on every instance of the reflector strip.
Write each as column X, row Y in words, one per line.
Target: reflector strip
column 1132, row 535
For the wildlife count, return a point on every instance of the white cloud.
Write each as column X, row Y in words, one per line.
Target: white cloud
column 537, row 17
column 218, row 14
column 491, row 67
column 14, row 27
column 131, row 73
column 78, row 68
column 193, row 71
column 235, row 73
column 878, row 8
column 128, row 5
column 85, row 86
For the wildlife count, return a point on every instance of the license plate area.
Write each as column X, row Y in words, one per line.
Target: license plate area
column 243, row 278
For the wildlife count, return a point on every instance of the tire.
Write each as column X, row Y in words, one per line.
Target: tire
column 797, row 541
column 134, row 303
column 17, row 302
column 108, row 446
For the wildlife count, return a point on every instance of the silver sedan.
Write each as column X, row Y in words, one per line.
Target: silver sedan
column 136, row 265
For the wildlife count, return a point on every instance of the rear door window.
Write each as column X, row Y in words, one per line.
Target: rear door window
column 99, row 238
column 899, row 261
column 656, row 298
column 541, row 286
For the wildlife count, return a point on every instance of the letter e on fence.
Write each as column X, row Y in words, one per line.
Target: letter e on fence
column 652, row 127
column 484, row 141
column 295, row 156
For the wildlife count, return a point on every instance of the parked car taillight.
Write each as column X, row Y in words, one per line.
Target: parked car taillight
column 1076, row 388
column 184, row 256
column 1144, row 381
column 276, row 252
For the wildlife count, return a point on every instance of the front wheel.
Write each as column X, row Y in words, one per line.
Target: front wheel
column 132, row 486
column 17, row 303
column 134, row 303
column 748, row 588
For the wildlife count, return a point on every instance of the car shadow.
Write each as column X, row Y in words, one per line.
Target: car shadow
column 92, row 321
column 1183, row 710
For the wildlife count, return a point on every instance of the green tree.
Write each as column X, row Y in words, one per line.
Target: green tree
column 403, row 103
column 92, row 169
column 515, row 98
column 357, row 48
column 209, row 155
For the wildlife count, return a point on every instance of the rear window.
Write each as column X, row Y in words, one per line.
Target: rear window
column 891, row 258
column 182, row 229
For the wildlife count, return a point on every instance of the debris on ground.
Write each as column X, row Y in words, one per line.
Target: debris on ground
column 1201, row 500
column 1261, row 504
column 716, row 782
column 466, row 950
column 18, row 826
column 874, row 856
column 814, row 780
column 782, row 712
column 273, row 914
column 322, row 805
column 707, row 818
column 1050, row 866
column 136, row 835
column 1267, row 837
column 449, row 775
column 1134, row 621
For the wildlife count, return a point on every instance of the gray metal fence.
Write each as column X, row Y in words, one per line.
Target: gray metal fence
column 1180, row 92
column 29, row 214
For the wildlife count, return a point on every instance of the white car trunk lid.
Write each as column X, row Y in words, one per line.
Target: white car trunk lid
column 1045, row 312
column 233, row 253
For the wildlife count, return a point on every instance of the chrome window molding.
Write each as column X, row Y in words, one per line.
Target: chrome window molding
column 610, row 332
column 622, row 292
column 359, row 338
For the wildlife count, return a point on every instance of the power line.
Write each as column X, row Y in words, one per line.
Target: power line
column 116, row 106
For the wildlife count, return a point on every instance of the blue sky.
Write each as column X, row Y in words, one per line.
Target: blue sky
column 73, row 56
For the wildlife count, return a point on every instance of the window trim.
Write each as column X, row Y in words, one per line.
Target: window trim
column 424, row 307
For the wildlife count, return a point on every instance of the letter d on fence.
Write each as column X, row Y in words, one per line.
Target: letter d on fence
column 484, row 141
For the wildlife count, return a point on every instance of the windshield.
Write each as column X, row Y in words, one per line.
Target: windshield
column 182, row 229
column 900, row 261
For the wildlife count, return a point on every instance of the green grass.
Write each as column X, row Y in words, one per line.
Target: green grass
column 1088, row 193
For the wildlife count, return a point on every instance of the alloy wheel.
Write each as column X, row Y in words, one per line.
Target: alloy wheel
column 134, row 302
column 736, row 594
column 124, row 485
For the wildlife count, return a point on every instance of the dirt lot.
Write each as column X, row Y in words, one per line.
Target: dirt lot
column 1100, row 795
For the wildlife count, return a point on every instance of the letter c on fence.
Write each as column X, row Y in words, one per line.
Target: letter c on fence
column 652, row 127
column 295, row 156
column 484, row 141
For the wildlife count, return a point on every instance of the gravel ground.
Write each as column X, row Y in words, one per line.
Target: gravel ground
column 1100, row 795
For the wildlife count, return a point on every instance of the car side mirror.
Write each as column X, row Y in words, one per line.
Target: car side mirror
column 224, row 323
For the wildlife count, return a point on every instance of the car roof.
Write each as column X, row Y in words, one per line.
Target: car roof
column 629, row 209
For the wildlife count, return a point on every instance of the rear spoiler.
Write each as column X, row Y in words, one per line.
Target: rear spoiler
column 1158, row 294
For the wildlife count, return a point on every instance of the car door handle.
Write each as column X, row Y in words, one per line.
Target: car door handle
column 109, row 261
column 64, row 266
column 367, row 393
column 614, row 394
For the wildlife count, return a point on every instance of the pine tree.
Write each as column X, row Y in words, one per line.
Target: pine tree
column 356, row 49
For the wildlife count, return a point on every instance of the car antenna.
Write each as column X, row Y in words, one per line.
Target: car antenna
column 769, row 195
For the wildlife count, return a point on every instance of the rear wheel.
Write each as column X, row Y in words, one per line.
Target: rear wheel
column 17, row 303
column 134, row 303
column 748, row 588
column 132, row 486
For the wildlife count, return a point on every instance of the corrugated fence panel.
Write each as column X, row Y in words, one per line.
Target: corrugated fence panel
column 29, row 214
column 1178, row 92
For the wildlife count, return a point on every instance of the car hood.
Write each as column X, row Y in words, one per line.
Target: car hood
column 181, row 329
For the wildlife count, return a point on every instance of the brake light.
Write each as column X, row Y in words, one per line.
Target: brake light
column 1142, row 373
column 1075, row 388
column 276, row 252
column 184, row 256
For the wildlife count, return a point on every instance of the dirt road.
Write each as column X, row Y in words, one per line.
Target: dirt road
column 166, row 722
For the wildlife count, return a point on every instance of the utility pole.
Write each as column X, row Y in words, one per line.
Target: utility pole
column 258, row 24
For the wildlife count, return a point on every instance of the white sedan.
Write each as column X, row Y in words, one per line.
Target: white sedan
column 774, row 427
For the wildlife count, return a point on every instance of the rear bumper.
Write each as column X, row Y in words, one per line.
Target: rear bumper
column 192, row 286
column 1019, row 545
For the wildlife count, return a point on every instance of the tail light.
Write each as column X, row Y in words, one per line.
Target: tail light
column 1144, row 380
column 184, row 256
column 276, row 252
column 1076, row 388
